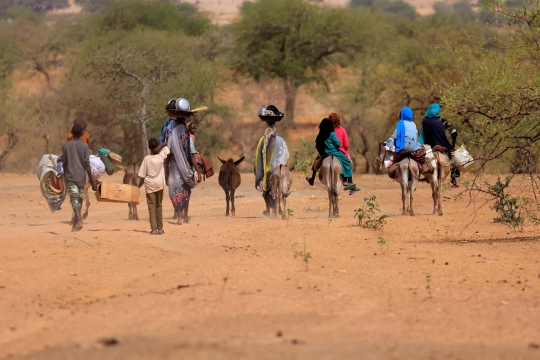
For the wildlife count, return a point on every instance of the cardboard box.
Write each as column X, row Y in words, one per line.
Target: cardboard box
column 118, row 193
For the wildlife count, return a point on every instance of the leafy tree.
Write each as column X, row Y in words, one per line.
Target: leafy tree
column 16, row 11
column 403, row 70
column 93, row 6
column 8, row 56
column 128, row 15
column 132, row 72
column 462, row 11
column 35, row 44
column 397, row 7
column 42, row 6
column 295, row 42
column 499, row 103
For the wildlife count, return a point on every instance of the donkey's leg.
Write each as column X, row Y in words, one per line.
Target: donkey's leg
column 233, row 210
column 130, row 215
column 330, row 203
column 284, row 214
column 439, row 204
column 227, row 199
column 411, row 191
column 404, row 189
column 135, row 213
column 434, row 186
column 186, row 211
column 87, row 200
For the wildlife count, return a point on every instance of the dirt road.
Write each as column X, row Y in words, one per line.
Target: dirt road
column 231, row 288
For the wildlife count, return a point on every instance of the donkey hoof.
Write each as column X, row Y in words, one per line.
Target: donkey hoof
column 233, row 214
column 137, row 218
column 85, row 215
column 226, row 214
column 130, row 217
column 336, row 216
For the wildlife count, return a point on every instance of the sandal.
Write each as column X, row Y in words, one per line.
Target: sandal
column 354, row 190
column 350, row 187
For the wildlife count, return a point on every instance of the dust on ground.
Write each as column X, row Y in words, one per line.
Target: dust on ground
column 231, row 288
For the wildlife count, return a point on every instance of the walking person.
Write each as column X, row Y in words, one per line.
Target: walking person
column 85, row 137
column 152, row 175
column 181, row 164
column 76, row 165
column 271, row 152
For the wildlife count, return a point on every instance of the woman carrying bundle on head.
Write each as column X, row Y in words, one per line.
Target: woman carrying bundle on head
column 328, row 144
column 181, row 164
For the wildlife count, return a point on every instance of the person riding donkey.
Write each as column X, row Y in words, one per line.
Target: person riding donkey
column 271, row 152
column 433, row 133
column 181, row 164
column 404, row 139
column 328, row 144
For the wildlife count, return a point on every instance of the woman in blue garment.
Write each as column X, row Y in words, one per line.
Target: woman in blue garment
column 327, row 144
column 404, row 139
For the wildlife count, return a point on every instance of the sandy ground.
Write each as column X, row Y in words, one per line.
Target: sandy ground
column 230, row 288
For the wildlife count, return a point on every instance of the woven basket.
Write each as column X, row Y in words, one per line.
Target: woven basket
column 115, row 158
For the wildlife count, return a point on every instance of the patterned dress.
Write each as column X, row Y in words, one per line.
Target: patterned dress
column 181, row 174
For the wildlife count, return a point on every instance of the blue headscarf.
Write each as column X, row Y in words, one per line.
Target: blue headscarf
column 406, row 114
column 434, row 110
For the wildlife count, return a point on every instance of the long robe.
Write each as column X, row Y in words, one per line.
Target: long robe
column 181, row 174
column 271, row 152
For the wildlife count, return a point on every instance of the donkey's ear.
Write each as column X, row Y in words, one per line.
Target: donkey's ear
column 237, row 162
column 292, row 167
column 222, row 161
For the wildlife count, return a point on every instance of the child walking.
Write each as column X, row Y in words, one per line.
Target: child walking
column 76, row 164
column 152, row 176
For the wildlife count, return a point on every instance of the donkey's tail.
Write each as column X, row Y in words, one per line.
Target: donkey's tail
column 333, row 187
column 416, row 176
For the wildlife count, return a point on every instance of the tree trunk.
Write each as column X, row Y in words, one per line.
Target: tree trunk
column 364, row 151
column 13, row 139
column 144, row 139
column 290, row 90
column 144, row 134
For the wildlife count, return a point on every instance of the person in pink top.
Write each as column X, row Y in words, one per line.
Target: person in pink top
column 343, row 138
column 341, row 134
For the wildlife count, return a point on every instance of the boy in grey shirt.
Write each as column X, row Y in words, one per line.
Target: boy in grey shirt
column 76, row 162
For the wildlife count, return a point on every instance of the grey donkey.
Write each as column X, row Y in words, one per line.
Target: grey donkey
column 229, row 180
column 330, row 176
column 280, row 189
column 406, row 173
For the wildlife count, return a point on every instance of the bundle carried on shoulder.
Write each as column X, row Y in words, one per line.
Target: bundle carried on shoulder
column 110, row 160
column 51, row 180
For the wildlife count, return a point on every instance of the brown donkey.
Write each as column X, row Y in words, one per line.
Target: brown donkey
column 229, row 179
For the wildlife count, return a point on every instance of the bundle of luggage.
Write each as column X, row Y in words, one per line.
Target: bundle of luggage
column 50, row 174
column 51, row 181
